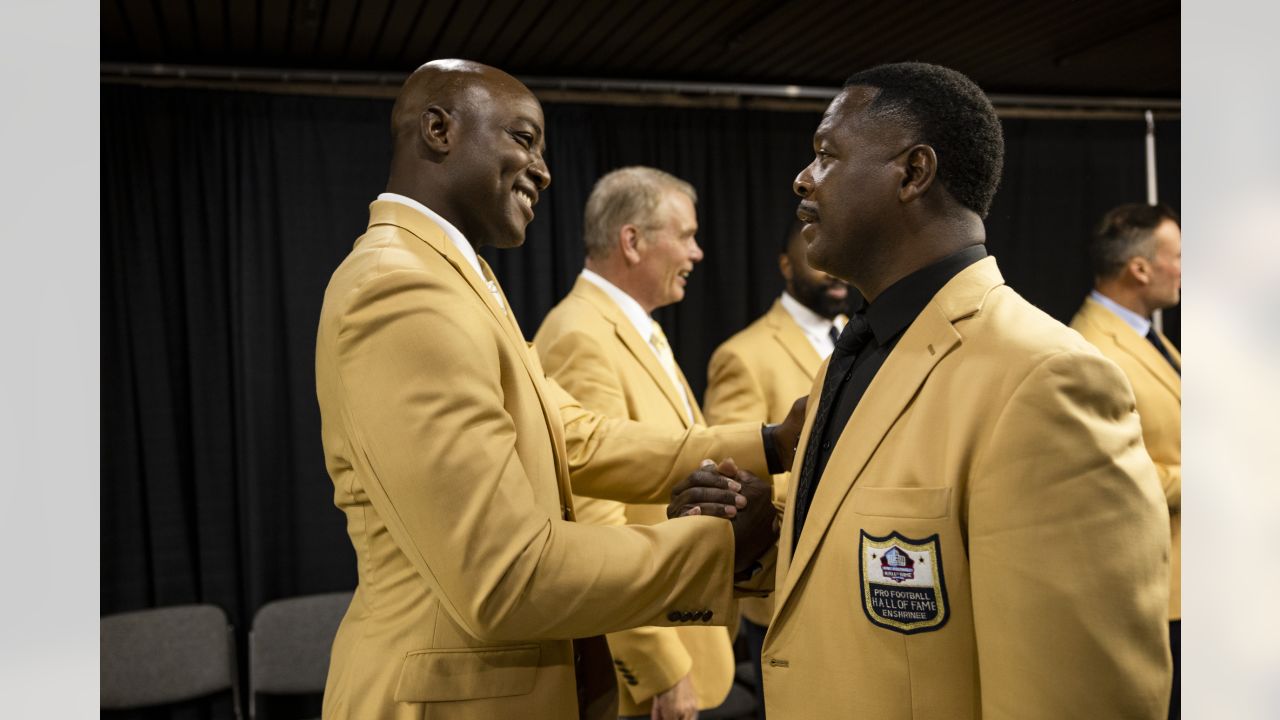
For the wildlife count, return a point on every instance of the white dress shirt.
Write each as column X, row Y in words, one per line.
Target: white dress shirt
column 1140, row 324
column 814, row 326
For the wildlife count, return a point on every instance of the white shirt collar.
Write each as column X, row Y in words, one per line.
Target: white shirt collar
column 629, row 306
column 1140, row 324
column 455, row 236
column 814, row 326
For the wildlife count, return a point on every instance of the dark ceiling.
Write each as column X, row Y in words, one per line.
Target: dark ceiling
column 1124, row 48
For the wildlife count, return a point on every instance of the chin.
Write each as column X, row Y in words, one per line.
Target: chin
column 816, row 255
column 509, row 238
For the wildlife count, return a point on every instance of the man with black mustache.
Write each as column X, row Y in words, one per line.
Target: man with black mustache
column 973, row 528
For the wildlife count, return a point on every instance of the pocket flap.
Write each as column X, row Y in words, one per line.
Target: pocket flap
column 923, row 503
column 467, row 673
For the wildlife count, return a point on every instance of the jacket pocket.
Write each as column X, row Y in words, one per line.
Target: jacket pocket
column 467, row 673
column 922, row 503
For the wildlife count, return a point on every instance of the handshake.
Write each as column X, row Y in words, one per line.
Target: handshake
column 725, row 490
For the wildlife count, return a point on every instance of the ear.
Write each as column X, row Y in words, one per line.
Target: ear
column 436, row 126
column 1139, row 268
column 784, row 266
column 919, row 172
column 629, row 244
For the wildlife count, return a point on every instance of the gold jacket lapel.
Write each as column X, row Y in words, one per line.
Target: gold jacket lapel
column 639, row 347
column 792, row 339
column 391, row 213
column 384, row 212
column 1130, row 342
column 931, row 337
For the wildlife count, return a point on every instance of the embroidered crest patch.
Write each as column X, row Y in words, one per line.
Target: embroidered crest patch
column 903, row 588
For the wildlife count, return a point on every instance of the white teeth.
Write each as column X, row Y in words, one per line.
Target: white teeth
column 525, row 198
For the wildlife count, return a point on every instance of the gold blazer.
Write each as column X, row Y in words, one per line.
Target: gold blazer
column 989, row 539
column 587, row 344
column 451, row 455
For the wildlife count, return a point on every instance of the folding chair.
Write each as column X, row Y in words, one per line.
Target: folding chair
column 289, row 645
column 167, row 655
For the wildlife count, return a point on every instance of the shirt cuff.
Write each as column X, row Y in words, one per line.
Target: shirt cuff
column 771, row 449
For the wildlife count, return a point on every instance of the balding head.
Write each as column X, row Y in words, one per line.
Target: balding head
column 467, row 142
column 456, row 85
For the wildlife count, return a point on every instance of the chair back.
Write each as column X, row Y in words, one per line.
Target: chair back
column 166, row 655
column 290, row 642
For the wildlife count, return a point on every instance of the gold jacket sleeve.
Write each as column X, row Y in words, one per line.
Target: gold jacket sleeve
column 1066, row 483
column 437, row 455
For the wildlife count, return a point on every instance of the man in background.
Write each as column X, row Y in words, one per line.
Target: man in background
column 758, row 373
column 1136, row 255
column 602, row 345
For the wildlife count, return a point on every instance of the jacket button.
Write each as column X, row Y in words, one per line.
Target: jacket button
column 673, row 616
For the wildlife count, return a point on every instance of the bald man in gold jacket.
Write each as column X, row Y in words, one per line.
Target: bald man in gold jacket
column 451, row 453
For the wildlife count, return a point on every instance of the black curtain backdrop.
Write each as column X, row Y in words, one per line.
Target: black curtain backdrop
column 224, row 214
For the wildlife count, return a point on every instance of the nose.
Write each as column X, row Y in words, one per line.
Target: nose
column 696, row 255
column 541, row 173
column 803, row 184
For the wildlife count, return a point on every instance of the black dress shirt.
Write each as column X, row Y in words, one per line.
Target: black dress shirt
column 858, row 358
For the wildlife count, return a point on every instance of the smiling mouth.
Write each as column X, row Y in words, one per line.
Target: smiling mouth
column 524, row 198
column 684, row 275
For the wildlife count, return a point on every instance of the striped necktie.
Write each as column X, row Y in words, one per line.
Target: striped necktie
column 658, row 340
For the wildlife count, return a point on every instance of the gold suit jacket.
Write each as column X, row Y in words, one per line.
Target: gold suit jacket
column 989, row 539
column 451, row 455
column 1158, row 389
column 587, row 345
column 757, row 375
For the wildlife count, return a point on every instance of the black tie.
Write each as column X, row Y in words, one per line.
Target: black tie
column 834, row 334
column 856, row 335
column 1164, row 351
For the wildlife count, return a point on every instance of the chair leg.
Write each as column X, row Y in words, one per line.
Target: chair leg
column 235, row 674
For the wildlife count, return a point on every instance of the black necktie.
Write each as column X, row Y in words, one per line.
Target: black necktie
column 856, row 335
column 1164, row 351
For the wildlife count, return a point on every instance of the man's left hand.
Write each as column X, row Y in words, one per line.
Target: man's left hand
column 786, row 434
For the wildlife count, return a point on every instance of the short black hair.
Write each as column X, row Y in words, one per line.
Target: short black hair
column 1125, row 233
column 953, row 116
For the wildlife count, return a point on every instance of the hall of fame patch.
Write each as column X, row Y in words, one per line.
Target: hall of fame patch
column 903, row 588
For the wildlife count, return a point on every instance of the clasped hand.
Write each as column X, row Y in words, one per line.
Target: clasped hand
column 727, row 491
